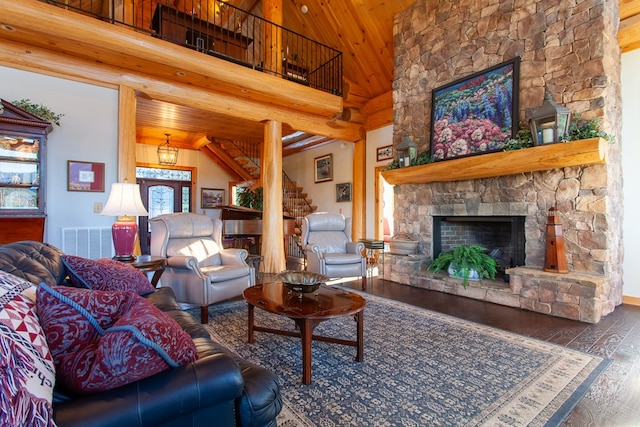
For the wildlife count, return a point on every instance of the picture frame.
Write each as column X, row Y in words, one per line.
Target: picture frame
column 384, row 153
column 323, row 168
column 343, row 192
column 85, row 176
column 211, row 198
column 476, row 114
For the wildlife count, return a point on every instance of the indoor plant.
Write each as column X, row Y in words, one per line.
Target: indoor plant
column 463, row 261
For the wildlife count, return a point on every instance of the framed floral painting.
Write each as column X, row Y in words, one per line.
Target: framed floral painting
column 477, row 114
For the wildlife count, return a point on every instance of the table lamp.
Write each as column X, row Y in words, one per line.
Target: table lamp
column 125, row 203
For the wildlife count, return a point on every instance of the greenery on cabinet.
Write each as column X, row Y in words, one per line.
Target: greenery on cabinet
column 249, row 198
column 38, row 110
column 464, row 259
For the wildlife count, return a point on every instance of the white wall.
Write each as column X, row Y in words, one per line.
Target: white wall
column 376, row 138
column 300, row 168
column 87, row 132
column 631, row 172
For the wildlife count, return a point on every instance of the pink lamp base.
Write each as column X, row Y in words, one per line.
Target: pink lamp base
column 124, row 239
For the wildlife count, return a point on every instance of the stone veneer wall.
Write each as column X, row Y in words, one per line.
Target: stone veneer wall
column 571, row 47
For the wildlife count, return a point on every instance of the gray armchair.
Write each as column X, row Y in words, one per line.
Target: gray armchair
column 199, row 270
column 326, row 240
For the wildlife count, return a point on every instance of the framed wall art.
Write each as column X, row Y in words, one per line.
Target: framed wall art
column 343, row 192
column 384, row 153
column 211, row 198
column 476, row 114
column 85, row 176
column 323, row 168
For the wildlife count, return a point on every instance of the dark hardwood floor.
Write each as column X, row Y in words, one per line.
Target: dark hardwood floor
column 613, row 400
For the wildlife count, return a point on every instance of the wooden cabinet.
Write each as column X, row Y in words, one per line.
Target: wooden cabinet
column 22, row 147
column 190, row 31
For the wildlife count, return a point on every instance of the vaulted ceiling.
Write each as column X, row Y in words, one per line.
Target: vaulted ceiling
column 361, row 29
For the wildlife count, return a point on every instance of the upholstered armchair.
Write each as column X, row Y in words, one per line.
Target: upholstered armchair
column 198, row 269
column 326, row 240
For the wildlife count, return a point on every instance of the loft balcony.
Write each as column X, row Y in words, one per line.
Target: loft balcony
column 224, row 31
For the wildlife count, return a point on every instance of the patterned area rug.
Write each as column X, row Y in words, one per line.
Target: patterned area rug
column 420, row 369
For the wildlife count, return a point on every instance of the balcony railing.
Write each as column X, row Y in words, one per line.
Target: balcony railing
column 219, row 29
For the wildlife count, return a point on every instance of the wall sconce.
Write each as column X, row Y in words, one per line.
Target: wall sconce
column 167, row 153
column 407, row 152
column 125, row 203
column 549, row 122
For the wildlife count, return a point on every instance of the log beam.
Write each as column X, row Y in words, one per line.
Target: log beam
column 40, row 60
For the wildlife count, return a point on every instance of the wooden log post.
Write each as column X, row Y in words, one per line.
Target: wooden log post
column 359, row 215
column 272, row 11
column 272, row 212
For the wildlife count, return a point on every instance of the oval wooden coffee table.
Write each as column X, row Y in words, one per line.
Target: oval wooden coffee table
column 307, row 311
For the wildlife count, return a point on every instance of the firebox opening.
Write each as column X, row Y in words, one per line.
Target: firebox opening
column 503, row 236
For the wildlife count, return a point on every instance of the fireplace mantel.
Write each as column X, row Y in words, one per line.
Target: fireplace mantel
column 550, row 156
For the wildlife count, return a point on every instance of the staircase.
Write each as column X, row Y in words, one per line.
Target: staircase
column 295, row 202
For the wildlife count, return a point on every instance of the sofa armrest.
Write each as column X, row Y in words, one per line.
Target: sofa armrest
column 233, row 256
column 157, row 400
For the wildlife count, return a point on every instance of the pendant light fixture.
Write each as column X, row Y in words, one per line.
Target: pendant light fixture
column 167, row 153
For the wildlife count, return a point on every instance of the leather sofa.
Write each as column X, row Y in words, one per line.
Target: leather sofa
column 218, row 389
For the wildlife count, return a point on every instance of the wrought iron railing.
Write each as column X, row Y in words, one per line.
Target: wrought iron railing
column 297, row 206
column 219, row 29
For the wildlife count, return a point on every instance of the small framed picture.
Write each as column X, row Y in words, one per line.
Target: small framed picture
column 323, row 168
column 211, row 198
column 343, row 192
column 85, row 176
column 385, row 153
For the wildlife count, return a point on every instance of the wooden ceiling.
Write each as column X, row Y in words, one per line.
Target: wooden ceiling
column 361, row 29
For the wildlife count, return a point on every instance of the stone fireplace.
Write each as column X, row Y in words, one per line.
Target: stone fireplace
column 570, row 49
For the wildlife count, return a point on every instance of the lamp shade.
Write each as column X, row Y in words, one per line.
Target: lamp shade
column 124, row 200
column 125, row 203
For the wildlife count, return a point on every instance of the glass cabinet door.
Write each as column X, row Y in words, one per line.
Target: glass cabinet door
column 20, row 188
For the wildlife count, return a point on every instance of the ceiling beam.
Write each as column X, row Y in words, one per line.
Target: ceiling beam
column 54, row 28
column 41, row 60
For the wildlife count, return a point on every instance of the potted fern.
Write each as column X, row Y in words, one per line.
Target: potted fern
column 466, row 262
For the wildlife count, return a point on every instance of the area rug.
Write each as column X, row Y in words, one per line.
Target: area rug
column 420, row 368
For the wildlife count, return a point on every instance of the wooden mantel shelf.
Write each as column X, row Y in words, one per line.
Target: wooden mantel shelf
column 543, row 157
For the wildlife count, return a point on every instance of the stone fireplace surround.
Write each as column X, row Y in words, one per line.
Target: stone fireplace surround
column 569, row 48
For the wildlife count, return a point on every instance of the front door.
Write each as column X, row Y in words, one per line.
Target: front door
column 160, row 196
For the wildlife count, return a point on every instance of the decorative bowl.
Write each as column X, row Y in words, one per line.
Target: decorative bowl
column 301, row 281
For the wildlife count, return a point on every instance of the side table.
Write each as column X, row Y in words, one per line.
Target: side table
column 371, row 245
column 148, row 264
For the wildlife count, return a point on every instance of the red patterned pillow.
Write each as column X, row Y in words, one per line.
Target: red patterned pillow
column 27, row 374
column 106, row 275
column 101, row 339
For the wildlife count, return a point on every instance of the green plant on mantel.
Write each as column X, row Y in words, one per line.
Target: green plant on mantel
column 38, row 110
column 464, row 259
column 423, row 158
column 585, row 129
column 578, row 129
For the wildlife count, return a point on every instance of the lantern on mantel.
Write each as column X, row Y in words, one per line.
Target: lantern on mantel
column 407, row 152
column 549, row 122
